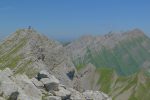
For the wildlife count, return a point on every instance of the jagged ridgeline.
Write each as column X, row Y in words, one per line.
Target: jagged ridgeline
column 124, row 52
column 117, row 64
column 27, row 51
column 18, row 51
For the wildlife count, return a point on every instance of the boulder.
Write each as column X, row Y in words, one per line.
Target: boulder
column 75, row 95
column 95, row 95
column 7, row 72
column 20, row 87
column 50, row 83
column 7, row 86
column 52, row 98
column 14, row 96
column 2, row 98
column 27, row 90
column 37, row 83
column 42, row 74
column 51, row 86
column 63, row 93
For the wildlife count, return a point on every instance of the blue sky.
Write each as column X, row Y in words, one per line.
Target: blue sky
column 69, row 19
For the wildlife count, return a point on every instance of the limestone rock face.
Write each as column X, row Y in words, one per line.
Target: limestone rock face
column 50, row 82
column 52, row 98
column 63, row 93
column 20, row 87
column 7, row 86
column 37, row 83
column 76, row 95
column 88, row 77
column 2, row 98
column 95, row 95
column 27, row 88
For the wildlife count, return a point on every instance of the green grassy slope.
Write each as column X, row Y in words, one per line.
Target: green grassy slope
column 134, row 87
column 120, row 68
column 105, row 79
column 11, row 57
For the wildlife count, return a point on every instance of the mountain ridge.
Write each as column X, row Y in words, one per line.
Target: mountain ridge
column 83, row 51
column 28, row 52
column 116, row 64
column 121, row 63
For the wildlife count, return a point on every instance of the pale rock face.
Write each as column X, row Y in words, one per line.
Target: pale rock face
column 43, row 74
column 50, row 84
column 88, row 77
column 21, row 84
column 76, row 95
column 63, row 93
column 95, row 95
column 2, row 98
column 20, row 87
column 37, row 83
column 7, row 72
column 52, row 98
column 28, row 87
column 7, row 86
column 50, row 79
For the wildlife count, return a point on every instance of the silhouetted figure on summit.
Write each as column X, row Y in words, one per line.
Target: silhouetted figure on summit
column 29, row 28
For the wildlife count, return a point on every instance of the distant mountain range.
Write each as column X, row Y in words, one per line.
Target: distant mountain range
column 121, row 60
column 126, row 52
column 117, row 63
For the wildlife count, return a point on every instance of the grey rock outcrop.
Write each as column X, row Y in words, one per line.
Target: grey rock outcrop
column 76, row 95
column 37, row 83
column 95, row 95
column 52, row 98
column 63, row 93
column 49, row 81
column 88, row 77
column 20, row 87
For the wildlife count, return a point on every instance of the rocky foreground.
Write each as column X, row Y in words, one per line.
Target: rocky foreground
column 44, row 86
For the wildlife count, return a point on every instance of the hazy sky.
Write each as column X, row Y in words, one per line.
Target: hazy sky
column 66, row 19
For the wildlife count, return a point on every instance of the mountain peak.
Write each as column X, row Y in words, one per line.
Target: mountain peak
column 29, row 52
column 30, row 34
column 26, row 31
column 135, row 32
